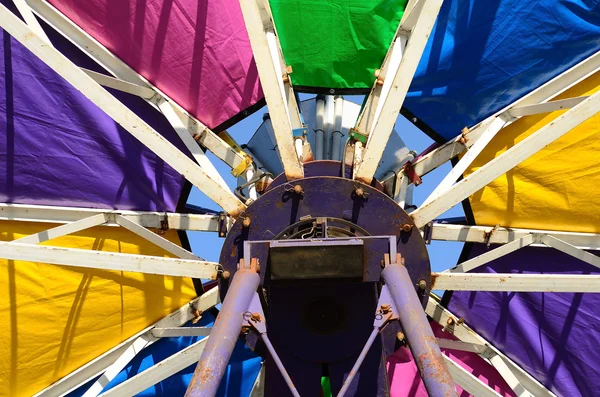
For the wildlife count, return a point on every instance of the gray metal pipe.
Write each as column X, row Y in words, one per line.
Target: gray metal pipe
column 421, row 341
column 225, row 333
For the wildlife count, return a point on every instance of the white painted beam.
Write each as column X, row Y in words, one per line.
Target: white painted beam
column 107, row 360
column 513, row 282
column 444, row 343
column 280, row 99
column 462, row 331
column 107, row 260
column 120, row 113
column 181, row 331
column 122, row 71
column 501, row 235
column 400, row 83
column 63, row 230
column 467, row 381
column 569, row 249
column 157, row 220
column 30, row 20
column 494, row 254
column 545, row 107
column 508, row 160
column 121, row 85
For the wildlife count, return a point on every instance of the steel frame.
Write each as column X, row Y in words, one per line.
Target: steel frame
column 376, row 122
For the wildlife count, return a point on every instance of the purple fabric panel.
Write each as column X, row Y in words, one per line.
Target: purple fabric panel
column 197, row 52
column 553, row 336
column 57, row 148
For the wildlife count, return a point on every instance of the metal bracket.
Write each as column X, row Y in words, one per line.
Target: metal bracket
column 427, row 232
column 243, row 166
column 358, row 136
column 300, row 132
column 410, row 172
column 223, row 225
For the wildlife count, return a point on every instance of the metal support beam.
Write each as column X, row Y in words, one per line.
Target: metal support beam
column 63, row 230
column 108, row 360
column 545, row 107
column 120, row 113
column 122, row 71
column 467, row 381
column 421, row 340
column 569, row 249
column 121, row 85
column 508, row 160
column 494, row 254
column 156, row 220
column 513, row 282
column 501, row 235
column 275, row 81
column 107, row 260
column 399, row 81
column 30, row 19
column 225, row 333
column 460, row 330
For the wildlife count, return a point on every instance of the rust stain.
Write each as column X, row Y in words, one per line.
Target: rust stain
column 434, row 278
column 502, row 280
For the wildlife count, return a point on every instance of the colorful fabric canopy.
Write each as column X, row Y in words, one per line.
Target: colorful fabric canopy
column 552, row 336
column 196, row 52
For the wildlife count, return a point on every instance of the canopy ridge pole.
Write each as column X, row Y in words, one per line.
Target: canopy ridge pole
column 63, row 230
column 514, row 282
column 108, row 260
column 377, row 125
column 108, row 361
column 508, row 160
column 461, row 331
column 541, row 95
column 103, row 57
column 500, row 235
column 155, row 238
column 467, row 381
column 148, row 219
column 276, row 82
column 120, row 113
column 493, row 126
column 175, row 320
column 201, row 158
column 494, row 254
column 569, row 249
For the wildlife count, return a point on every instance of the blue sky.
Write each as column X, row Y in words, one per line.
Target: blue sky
column 442, row 254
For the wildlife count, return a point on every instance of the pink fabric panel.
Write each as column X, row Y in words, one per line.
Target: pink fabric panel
column 196, row 51
column 405, row 380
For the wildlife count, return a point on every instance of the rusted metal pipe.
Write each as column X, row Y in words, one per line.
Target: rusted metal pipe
column 421, row 341
column 225, row 333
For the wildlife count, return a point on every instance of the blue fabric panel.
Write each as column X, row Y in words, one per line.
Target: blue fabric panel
column 241, row 372
column 484, row 54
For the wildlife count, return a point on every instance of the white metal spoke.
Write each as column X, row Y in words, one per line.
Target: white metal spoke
column 108, row 359
column 545, row 107
column 494, row 254
column 30, row 20
column 181, row 331
column 156, row 220
column 569, row 249
column 460, row 330
column 121, row 85
column 85, row 223
column 510, row 378
column 500, row 235
column 489, row 132
column 107, row 260
column 400, row 82
column 272, row 70
column 122, row 71
column 167, row 110
column 120, row 113
column 462, row 346
column 159, row 372
column 508, row 160
column 467, row 381
column 155, row 238
column 513, row 282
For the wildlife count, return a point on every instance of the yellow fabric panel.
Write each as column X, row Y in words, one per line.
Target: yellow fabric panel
column 54, row 319
column 556, row 189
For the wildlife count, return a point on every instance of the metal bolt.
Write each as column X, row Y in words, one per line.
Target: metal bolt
column 246, row 222
column 386, row 307
column 450, row 321
column 214, row 276
column 461, row 320
column 422, row 284
column 226, row 274
column 400, row 336
column 298, row 189
column 359, row 192
column 407, row 227
column 255, row 317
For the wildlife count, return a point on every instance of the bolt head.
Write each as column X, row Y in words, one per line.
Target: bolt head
column 400, row 336
column 226, row 274
column 298, row 189
column 359, row 192
column 422, row 284
column 246, row 222
column 406, row 227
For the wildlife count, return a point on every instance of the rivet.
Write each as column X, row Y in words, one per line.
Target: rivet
column 298, row 189
column 406, row 227
column 246, row 222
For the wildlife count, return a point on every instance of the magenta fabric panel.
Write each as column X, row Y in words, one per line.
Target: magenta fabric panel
column 405, row 380
column 197, row 52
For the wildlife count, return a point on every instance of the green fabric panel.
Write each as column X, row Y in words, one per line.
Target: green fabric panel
column 336, row 43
